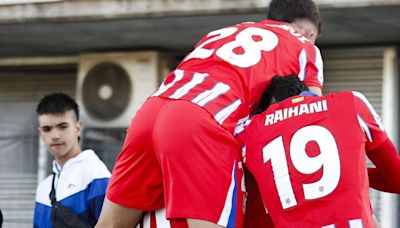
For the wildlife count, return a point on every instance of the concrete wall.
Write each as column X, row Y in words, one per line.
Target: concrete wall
column 86, row 9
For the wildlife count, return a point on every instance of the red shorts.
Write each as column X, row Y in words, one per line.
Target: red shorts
column 175, row 150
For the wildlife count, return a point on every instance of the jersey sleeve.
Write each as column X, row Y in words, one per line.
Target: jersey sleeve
column 99, row 179
column 369, row 121
column 97, row 192
column 384, row 177
column 311, row 66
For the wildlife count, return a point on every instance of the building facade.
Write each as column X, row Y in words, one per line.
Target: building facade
column 59, row 45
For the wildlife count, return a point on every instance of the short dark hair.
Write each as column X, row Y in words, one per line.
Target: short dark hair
column 57, row 103
column 291, row 10
column 281, row 87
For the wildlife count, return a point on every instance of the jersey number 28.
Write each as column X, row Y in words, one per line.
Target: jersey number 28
column 244, row 39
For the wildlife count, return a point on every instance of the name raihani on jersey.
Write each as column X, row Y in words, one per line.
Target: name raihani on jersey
column 298, row 110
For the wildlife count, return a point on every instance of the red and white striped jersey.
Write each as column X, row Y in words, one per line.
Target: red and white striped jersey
column 308, row 156
column 158, row 219
column 229, row 68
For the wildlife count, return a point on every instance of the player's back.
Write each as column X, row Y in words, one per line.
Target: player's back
column 229, row 68
column 308, row 157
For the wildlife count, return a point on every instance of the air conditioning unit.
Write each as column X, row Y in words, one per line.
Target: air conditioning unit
column 111, row 87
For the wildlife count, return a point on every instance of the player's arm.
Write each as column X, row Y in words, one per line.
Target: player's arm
column 197, row 223
column 384, row 177
column 315, row 90
column 376, row 222
column 114, row 215
column 311, row 69
column 380, row 149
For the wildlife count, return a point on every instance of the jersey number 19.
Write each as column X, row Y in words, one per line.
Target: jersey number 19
column 328, row 160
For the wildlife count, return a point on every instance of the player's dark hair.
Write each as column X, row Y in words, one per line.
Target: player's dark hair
column 281, row 87
column 57, row 103
column 290, row 10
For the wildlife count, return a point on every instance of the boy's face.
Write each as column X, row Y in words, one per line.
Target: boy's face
column 59, row 133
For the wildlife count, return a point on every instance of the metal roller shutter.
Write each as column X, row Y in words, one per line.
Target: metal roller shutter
column 355, row 69
column 30, row 83
column 358, row 70
column 21, row 87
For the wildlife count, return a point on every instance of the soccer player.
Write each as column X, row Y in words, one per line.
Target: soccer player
column 307, row 155
column 180, row 151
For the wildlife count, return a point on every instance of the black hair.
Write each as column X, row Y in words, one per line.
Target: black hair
column 1, row 219
column 281, row 87
column 57, row 103
column 291, row 10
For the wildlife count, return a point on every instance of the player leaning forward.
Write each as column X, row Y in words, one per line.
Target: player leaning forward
column 180, row 151
column 307, row 155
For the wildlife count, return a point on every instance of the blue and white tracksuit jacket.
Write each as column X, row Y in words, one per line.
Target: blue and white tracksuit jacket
column 80, row 185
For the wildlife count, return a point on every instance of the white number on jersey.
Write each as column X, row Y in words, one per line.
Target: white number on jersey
column 328, row 160
column 203, row 53
column 244, row 40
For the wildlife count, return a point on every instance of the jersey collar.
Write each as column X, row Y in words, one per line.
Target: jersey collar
column 308, row 93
